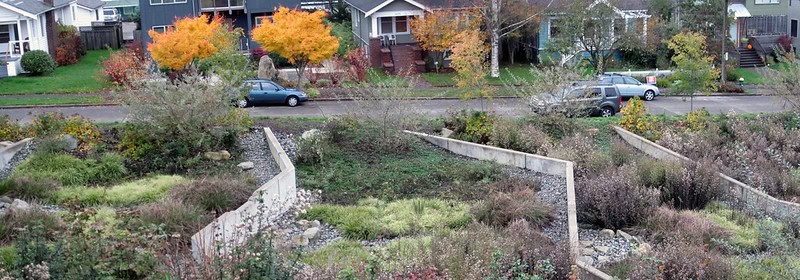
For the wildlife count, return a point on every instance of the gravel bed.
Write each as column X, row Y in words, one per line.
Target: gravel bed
column 287, row 144
column 553, row 191
column 618, row 247
column 18, row 157
column 256, row 150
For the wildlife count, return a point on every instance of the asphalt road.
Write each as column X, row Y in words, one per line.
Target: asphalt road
column 505, row 107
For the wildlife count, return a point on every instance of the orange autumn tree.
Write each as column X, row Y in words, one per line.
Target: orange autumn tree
column 300, row 37
column 437, row 30
column 469, row 60
column 191, row 38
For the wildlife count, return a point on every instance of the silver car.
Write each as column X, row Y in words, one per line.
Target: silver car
column 630, row 87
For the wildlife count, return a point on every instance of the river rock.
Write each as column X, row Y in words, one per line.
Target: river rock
column 71, row 141
column 311, row 233
column 299, row 240
column 606, row 233
column 218, row 156
column 586, row 243
column 19, row 205
column 309, row 134
column 5, row 199
column 588, row 260
column 247, row 165
column 624, row 235
column 601, row 249
column 266, row 68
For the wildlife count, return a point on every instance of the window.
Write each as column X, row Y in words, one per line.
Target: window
column 161, row 28
column 162, row 2
column 5, row 35
column 596, row 92
column 260, row 20
column 768, row 1
column 394, row 25
column 554, row 28
column 611, row 92
column 268, row 87
column 255, row 86
column 631, row 81
column 794, row 28
column 618, row 81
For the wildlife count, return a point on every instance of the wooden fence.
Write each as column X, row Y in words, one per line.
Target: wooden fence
column 102, row 35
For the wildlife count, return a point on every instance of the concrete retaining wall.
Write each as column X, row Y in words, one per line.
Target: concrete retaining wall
column 738, row 191
column 267, row 202
column 8, row 150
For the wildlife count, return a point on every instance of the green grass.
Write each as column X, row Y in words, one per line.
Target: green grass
column 83, row 77
column 343, row 253
column 373, row 218
column 68, row 170
column 8, row 255
column 751, row 77
column 744, row 233
column 767, row 268
column 507, row 75
column 127, row 194
column 20, row 101
column 379, row 76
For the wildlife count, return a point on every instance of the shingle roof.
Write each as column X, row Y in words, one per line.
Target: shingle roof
column 35, row 6
column 91, row 4
column 368, row 5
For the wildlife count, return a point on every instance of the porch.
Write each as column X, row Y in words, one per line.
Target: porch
column 20, row 36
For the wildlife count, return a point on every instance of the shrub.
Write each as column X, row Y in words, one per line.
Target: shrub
column 582, row 150
column 621, row 153
column 373, row 218
column 37, row 62
column 731, row 88
column 214, row 194
column 48, row 124
column 523, row 138
column 26, row 187
column 174, row 217
column 324, row 83
column 127, row 194
column 635, row 119
column 10, row 130
column 613, row 200
column 69, row 47
column 257, row 53
column 692, row 262
column 666, row 225
column 500, row 209
column 652, row 173
column 68, row 170
column 13, row 221
column 339, row 253
column 692, row 186
column 359, row 64
column 124, row 67
column 472, row 126
column 351, row 134
column 8, row 256
column 83, row 130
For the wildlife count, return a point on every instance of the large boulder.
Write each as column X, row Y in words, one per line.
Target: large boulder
column 266, row 69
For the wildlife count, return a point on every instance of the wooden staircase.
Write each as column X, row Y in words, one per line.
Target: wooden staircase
column 749, row 58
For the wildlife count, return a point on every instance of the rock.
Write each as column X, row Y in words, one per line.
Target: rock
column 587, row 251
column 311, row 233
column 247, row 165
column 310, row 134
column 625, row 235
column 587, row 260
column 266, row 69
column 606, row 233
column 642, row 250
column 71, row 141
column 303, row 224
column 586, row 243
column 5, row 199
column 603, row 259
column 314, row 223
column 19, row 205
column 602, row 249
column 446, row 132
column 299, row 240
column 218, row 156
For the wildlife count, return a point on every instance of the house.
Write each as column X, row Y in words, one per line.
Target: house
column 794, row 22
column 80, row 13
column 383, row 28
column 756, row 27
column 27, row 25
column 129, row 9
column 158, row 15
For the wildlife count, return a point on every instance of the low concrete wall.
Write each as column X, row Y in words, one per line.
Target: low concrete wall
column 267, row 202
column 738, row 191
column 8, row 152
column 533, row 162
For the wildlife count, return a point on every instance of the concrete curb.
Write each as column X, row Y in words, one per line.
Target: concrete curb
column 410, row 98
column 272, row 199
column 59, row 106
column 8, row 152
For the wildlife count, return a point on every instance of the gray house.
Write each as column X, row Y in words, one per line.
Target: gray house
column 383, row 27
column 158, row 15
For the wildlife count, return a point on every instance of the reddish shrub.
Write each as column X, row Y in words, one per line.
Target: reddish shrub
column 257, row 53
column 124, row 67
column 359, row 63
column 613, row 200
column 69, row 47
column 692, row 186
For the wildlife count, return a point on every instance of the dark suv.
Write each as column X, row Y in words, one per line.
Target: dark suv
column 593, row 100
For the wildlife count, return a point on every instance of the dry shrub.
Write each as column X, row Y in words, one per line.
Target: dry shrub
column 613, row 200
column 174, row 216
column 666, row 225
column 520, row 137
column 680, row 261
column 26, row 187
column 621, row 153
column 581, row 149
column 513, row 184
column 691, row 186
column 214, row 194
column 13, row 221
column 500, row 209
column 125, row 66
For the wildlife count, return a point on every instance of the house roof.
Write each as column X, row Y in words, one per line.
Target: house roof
column 34, row 7
column 91, row 4
column 369, row 5
column 624, row 5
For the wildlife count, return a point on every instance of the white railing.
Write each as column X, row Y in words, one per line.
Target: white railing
column 18, row 47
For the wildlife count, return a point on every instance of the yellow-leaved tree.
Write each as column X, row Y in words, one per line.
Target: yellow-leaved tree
column 469, row 60
column 300, row 37
column 437, row 31
column 191, row 39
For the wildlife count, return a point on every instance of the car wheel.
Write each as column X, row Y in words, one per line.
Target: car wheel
column 292, row 101
column 606, row 111
column 243, row 103
column 649, row 95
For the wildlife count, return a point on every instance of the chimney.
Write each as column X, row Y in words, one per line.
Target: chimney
column 48, row 2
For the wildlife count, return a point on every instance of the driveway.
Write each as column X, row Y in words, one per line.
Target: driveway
column 510, row 107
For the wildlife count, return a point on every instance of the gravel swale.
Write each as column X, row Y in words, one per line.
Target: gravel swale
column 255, row 149
column 553, row 191
column 17, row 159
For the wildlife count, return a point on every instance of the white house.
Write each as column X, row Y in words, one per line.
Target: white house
column 80, row 13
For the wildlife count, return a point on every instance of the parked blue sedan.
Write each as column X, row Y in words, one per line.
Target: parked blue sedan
column 264, row 92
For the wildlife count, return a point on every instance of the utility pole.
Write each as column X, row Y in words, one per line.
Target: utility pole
column 725, row 29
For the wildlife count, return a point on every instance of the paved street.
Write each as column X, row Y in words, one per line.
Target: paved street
column 504, row 107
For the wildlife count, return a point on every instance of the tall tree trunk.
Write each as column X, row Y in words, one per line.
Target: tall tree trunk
column 495, row 40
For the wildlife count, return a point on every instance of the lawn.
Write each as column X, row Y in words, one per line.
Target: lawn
column 751, row 77
column 83, row 77
column 379, row 76
column 21, row 101
column 507, row 75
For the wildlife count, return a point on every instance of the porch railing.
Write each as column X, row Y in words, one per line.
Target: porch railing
column 18, row 47
column 762, row 53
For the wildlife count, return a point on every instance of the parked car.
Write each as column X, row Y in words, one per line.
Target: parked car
column 263, row 92
column 110, row 14
column 630, row 87
column 592, row 100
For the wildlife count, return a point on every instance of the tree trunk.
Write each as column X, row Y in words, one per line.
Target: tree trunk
column 301, row 69
column 495, row 38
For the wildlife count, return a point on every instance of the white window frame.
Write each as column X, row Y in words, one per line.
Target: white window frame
column 258, row 23
column 767, row 2
column 797, row 28
column 9, row 32
column 394, row 26
column 161, row 2
column 164, row 27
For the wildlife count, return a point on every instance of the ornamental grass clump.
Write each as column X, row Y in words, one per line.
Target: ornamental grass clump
column 613, row 200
